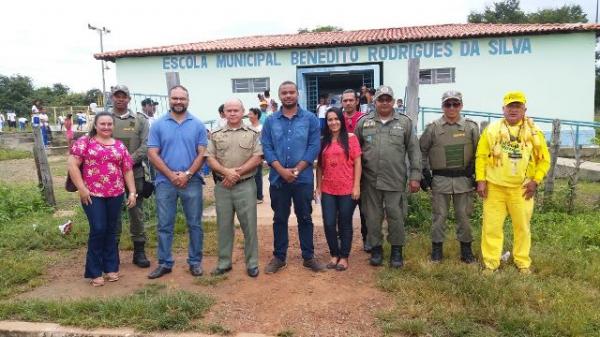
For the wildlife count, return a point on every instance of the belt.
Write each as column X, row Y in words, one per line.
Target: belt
column 219, row 178
column 450, row 173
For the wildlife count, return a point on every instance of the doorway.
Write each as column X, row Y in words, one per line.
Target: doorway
column 330, row 82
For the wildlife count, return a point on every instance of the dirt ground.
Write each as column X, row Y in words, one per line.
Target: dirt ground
column 330, row 303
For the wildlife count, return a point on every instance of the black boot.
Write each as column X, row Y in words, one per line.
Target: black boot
column 139, row 255
column 376, row 256
column 396, row 260
column 437, row 251
column 466, row 255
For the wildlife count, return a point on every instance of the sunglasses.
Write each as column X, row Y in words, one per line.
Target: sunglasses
column 452, row 105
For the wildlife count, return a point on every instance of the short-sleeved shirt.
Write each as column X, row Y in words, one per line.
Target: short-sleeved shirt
column 233, row 147
column 322, row 110
column 338, row 170
column 11, row 116
column 104, row 166
column 385, row 146
column 177, row 143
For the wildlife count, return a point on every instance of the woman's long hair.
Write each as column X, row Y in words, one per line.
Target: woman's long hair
column 93, row 132
column 327, row 135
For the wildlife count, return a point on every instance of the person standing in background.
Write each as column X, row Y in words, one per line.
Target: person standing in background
column 254, row 116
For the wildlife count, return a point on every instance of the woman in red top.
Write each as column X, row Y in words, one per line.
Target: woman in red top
column 69, row 129
column 338, row 186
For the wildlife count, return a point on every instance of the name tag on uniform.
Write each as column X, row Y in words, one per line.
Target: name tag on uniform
column 128, row 129
column 458, row 134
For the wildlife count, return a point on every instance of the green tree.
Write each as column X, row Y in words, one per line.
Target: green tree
column 507, row 11
column 60, row 89
column 320, row 29
column 91, row 96
column 564, row 14
column 16, row 93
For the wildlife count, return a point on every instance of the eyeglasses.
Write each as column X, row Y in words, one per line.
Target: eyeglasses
column 452, row 104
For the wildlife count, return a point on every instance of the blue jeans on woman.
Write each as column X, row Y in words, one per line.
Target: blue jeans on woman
column 103, row 245
column 166, row 209
column 337, row 221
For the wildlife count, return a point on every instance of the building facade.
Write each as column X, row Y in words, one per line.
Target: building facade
column 554, row 64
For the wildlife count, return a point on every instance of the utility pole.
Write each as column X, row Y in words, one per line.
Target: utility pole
column 101, row 32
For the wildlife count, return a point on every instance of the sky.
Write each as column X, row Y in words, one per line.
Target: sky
column 49, row 40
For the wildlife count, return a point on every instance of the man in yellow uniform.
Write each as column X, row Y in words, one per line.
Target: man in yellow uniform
column 506, row 150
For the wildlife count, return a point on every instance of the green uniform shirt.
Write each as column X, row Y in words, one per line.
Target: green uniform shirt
column 446, row 146
column 384, row 149
column 132, row 130
column 233, row 147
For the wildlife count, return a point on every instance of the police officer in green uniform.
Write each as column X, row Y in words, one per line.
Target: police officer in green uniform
column 448, row 146
column 233, row 153
column 386, row 138
column 132, row 129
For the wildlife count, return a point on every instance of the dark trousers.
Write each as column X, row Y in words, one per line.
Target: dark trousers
column 103, row 246
column 363, row 221
column 337, row 221
column 281, row 202
column 258, row 177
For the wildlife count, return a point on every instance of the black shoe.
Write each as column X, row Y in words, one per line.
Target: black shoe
column 437, row 251
column 275, row 265
column 396, row 260
column 158, row 272
column 139, row 255
column 220, row 271
column 466, row 255
column 376, row 256
column 196, row 270
column 314, row 265
column 253, row 272
column 367, row 247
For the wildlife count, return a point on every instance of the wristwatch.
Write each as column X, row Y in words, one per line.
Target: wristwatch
column 189, row 174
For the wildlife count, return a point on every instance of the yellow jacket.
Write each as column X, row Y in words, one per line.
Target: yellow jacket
column 509, row 155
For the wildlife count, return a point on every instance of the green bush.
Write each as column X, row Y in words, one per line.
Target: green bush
column 20, row 201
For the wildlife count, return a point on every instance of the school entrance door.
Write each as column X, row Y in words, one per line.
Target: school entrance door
column 330, row 82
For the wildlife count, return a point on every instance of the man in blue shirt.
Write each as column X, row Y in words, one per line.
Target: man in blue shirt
column 176, row 146
column 291, row 141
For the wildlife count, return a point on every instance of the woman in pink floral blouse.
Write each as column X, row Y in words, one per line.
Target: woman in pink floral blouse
column 106, row 167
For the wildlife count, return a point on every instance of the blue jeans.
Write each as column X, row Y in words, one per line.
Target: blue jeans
column 166, row 206
column 258, row 178
column 103, row 245
column 337, row 222
column 281, row 202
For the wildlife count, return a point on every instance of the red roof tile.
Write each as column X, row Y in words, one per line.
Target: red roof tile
column 357, row 37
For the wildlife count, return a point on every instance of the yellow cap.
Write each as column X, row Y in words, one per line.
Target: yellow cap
column 514, row 96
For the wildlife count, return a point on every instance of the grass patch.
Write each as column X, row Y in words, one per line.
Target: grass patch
column 152, row 308
column 453, row 299
column 9, row 154
column 19, row 201
column 209, row 280
column 20, row 273
column 286, row 333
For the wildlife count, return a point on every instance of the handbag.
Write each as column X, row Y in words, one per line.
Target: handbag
column 69, row 185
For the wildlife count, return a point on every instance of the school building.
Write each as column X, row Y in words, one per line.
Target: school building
column 554, row 64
